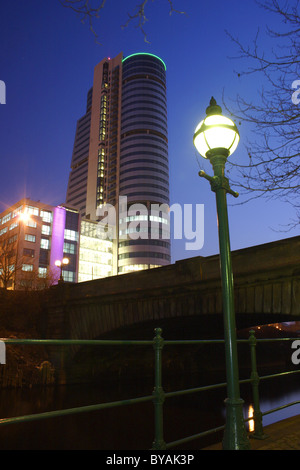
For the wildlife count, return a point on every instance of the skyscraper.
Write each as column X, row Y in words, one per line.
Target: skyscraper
column 121, row 151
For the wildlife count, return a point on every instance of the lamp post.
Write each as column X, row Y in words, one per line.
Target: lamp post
column 60, row 264
column 215, row 138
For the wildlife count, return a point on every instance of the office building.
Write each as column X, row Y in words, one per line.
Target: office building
column 34, row 238
column 41, row 244
column 121, row 153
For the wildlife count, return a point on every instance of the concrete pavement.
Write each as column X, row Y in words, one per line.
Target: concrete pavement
column 283, row 435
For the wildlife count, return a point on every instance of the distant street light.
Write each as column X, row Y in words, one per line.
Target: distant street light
column 215, row 138
column 60, row 264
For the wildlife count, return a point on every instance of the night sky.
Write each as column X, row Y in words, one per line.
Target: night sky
column 47, row 58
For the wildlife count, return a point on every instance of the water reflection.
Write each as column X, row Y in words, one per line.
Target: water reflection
column 132, row 427
column 251, row 422
column 129, row 427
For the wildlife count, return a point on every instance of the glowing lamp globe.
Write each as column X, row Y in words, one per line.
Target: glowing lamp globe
column 216, row 132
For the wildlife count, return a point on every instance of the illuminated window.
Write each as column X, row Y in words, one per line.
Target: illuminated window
column 2, row 231
column 71, row 235
column 95, row 254
column 68, row 276
column 136, row 267
column 46, row 216
column 42, row 272
column 31, row 223
column 154, row 218
column 133, row 218
column 29, row 238
column 32, row 210
column 69, row 248
column 46, row 229
column 12, row 239
column 45, row 244
column 17, row 211
column 6, row 218
column 27, row 267
column 12, row 226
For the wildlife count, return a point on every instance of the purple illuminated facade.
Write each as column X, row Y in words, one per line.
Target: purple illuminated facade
column 57, row 241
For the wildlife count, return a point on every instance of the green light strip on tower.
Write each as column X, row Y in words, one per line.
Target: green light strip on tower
column 145, row 53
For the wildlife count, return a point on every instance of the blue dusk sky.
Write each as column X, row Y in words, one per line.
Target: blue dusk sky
column 47, row 58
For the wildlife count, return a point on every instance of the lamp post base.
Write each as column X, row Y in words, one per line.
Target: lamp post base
column 235, row 435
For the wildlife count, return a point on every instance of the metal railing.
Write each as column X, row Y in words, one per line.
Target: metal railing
column 158, row 395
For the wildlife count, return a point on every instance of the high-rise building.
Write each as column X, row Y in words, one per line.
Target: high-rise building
column 121, row 153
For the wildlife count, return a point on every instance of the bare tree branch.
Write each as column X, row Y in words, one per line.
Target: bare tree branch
column 273, row 167
column 88, row 12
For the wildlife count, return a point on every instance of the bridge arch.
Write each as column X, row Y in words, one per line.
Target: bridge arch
column 267, row 290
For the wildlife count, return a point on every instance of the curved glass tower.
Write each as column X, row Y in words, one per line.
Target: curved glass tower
column 144, row 167
column 126, row 132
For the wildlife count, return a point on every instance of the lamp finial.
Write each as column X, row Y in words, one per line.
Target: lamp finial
column 213, row 108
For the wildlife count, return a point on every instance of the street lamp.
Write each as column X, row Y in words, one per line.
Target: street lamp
column 60, row 264
column 215, row 138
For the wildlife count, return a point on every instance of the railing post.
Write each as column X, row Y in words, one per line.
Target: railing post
column 158, row 393
column 258, row 432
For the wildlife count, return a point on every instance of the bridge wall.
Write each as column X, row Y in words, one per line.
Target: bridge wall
column 184, row 299
column 266, row 278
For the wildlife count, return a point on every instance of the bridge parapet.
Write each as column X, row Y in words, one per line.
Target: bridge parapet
column 266, row 277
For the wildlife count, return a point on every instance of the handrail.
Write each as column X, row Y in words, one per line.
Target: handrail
column 158, row 395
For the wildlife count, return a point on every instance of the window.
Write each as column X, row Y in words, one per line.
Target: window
column 45, row 244
column 13, row 225
column 32, row 210
column 71, row 235
column 68, row 276
column 46, row 216
column 6, row 218
column 46, row 229
column 27, row 267
column 42, row 272
column 69, row 248
column 12, row 239
column 28, row 252
column 31, row 223
column 17, row 211
column 44, row 257
column 29, row 238
column 3, row 230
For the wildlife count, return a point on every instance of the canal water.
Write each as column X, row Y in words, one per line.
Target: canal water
column 131, row 427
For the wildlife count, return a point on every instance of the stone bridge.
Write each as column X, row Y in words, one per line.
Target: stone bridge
column 267, row 288
column 183, row 298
